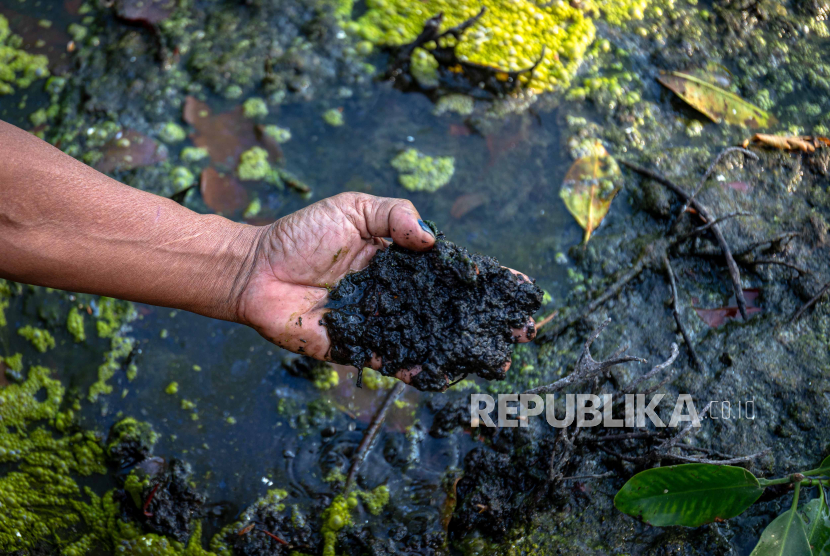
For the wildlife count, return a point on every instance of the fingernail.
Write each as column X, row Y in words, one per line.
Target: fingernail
column 425, row 227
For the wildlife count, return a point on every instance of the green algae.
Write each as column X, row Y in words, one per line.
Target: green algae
column 41, row 339
column 193, row 154
column 419, row 172
column 336, row 517
column 509, row 36
column 373, row 380
column 277, row 133
column 253, row 208
column 75, row 324
column 376, row 499
column 458, row 104
column 131, row 435
column 254, row 108
column 37, row 496
column 172, row 132
column 172, row 388
column 112, row 314
column 120, row 349
column 333, row 117
column 182, row 178
column 254, row 166
column 18, row 69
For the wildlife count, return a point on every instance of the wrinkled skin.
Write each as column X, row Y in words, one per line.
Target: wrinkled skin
column 301, row 255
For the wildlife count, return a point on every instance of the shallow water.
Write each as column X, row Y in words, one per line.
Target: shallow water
column 510, row 177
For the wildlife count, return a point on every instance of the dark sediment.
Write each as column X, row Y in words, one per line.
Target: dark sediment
column 447, row 310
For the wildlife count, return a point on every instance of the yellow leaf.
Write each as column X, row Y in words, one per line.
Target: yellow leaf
column 589, row 187
column 715, row 103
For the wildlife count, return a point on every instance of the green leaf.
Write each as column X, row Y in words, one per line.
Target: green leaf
column 717, row 104
column 816, row 515
column 589, row 187
column 690, row 494
column 785, row 536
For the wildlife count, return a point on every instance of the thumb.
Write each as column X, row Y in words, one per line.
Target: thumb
column 398, row 219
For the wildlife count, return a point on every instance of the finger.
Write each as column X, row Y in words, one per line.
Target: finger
column 395, row 218
column 506, row 366
column 526, row 333
column 521, row 275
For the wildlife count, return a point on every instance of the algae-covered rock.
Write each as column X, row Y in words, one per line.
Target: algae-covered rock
column 509, row 36
column 446, row 310
column 419, row 172
column 130, row 441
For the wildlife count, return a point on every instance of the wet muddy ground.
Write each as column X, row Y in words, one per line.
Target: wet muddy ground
column 247, row 421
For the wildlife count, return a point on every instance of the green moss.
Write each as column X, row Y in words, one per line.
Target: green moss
column 41, row 339
column 376, row 499
column 193, row 154
column 14, row 362
column 182, row 178
column 254, row 166
column 278, row 134
column 112, row 314
column 373, row 380
column 75, row 324
column 335, row 517
column 459, row 104
column 78, row 32
column 333, row 117
column 18, row 69
column 37, row 495
column 120, row 348
column 172, row 133
column 255, row 108
column 419, row 172
column 172, row 388
column 254, row 207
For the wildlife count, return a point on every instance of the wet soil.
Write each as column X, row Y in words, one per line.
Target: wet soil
column 447, row 311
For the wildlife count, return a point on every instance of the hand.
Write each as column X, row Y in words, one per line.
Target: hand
column 299, row 256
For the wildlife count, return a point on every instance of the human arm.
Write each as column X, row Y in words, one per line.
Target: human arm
column 67, row 226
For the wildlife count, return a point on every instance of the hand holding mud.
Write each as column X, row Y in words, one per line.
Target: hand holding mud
column 66, row 226
column 418, row 311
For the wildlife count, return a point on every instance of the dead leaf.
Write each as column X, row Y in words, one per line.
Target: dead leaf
column 715, row 103
column 804, row 143
column 222, row 192
column 722, row 315
column 226, row 135
column 466, row 203
column 589, row 187
column 35, row 39
column 130, row 149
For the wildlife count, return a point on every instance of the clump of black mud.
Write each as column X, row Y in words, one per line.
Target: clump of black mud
column 446, row 310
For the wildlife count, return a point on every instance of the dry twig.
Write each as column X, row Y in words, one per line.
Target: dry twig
column 810, row 303
column 676, row 312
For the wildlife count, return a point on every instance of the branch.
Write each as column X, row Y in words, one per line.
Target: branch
column 676, row 312
column 734, row 273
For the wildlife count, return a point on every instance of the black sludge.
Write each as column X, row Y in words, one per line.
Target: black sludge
column 447, row 310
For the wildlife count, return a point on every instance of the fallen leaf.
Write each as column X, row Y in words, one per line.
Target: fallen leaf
column 721, row 315
column 150, row 12
column 226, row 135
column 804, row 143
column 467, row 202
column 130, row 149
column 222, row 192
column 715, row 103
column 589, row 187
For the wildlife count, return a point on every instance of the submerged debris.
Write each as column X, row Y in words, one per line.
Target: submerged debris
column 448, row 311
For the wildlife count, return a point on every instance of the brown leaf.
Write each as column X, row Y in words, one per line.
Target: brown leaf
column 721, row 315
column 150, row 12
column 128, row 150
column 222, row 192
column 50, row 42
column 226, row 135
column 804, row 143
column 467, row 202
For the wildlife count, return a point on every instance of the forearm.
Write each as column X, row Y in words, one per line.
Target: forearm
column 66, row 226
